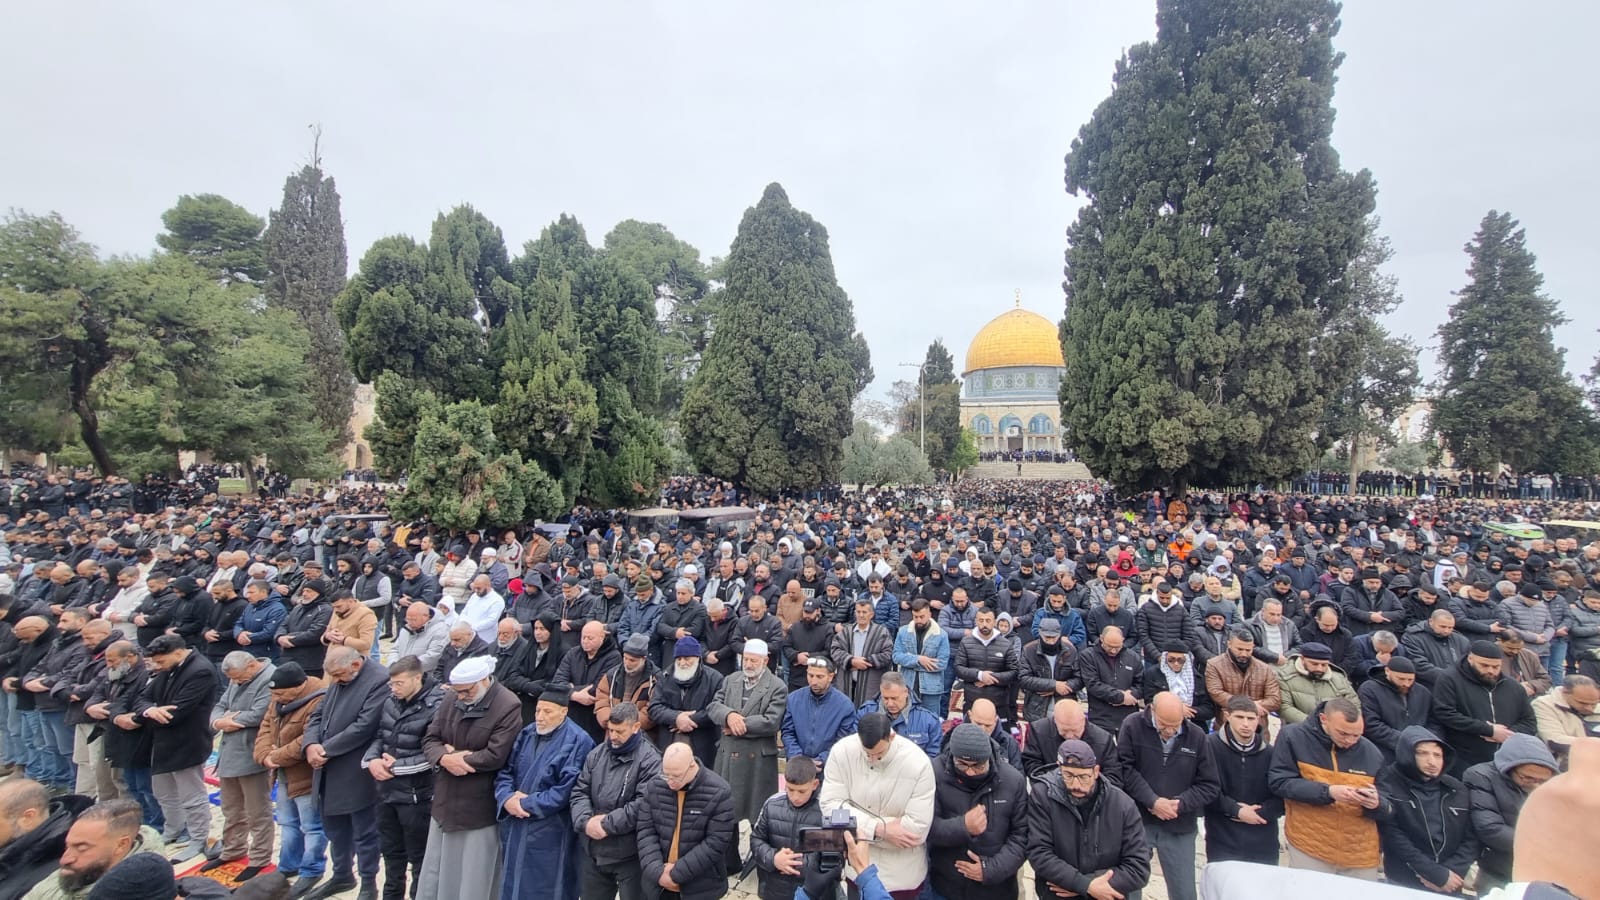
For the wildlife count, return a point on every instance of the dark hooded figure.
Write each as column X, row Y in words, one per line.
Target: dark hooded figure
column 189, row 617
column 1429, row 843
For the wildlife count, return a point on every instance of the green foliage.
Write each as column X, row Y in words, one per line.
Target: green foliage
column 306, row 265
column 412, row 308
column 1207, row 271
column 965, row 453
column 1410, row 457
column 219, row 236
column 769, row 406
column 1504, row 393
column 870, row 460
column 545, row 409
column 148, row 357
column 461, row 477
column 1384, row 365
column 938, row 366
column 399, row 408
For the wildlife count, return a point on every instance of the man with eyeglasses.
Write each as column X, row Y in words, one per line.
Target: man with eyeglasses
column 979, row 837
column 1085, row 837
column 685, row 826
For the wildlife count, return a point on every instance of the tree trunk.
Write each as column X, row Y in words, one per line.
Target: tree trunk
column 1355, row 464
column 89, row 421
column 249, row 478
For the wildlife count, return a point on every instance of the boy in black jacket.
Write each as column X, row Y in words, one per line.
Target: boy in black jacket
column 775, row 837
column 1242, row 823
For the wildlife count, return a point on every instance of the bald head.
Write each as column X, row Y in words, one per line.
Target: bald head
column 31, row 627
column 983, row 714
column 1069, row 718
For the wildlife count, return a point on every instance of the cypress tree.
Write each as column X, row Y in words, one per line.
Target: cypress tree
column 1504, row 393
column 305, row 265
column 770, row 404
column 1208, row 266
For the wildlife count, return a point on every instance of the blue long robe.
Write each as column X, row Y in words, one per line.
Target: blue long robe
column 540, row 853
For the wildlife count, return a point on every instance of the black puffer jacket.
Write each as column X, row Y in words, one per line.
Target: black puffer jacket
column 1433, row 654
column 303, row 626
column 778, row 828
column 611, row 784
column 708, row 827
column 1070, row 845
column 1430, row 834
column 33, row 856
column 1159, row 627
column 1002, row 846
column 401, row 725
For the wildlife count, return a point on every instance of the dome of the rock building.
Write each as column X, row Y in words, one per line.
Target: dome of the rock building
column 1017, row 337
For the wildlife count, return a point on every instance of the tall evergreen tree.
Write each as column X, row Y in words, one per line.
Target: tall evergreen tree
column 461, row 476
column 545, row 409
column 683, row 298
column 306, row 264
column 770, row 404
column 1208, row 267
column 1385, row 365
column 219, row 236
column 1504, row 391
column 413, row 309
column 938, row 366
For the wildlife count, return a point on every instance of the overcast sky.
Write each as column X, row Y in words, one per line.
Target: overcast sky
column 928, row 137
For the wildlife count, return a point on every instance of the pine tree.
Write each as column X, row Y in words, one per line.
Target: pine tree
column 770, row 404
column 305, row 264
column 413, row 309
column 218, row 235
column 462, row 477
column 938, row 366
column 1385, row 365
column 1504, row 392
column 683, row 298
column 1208, row 266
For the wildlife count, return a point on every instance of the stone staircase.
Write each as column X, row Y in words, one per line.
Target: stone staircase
column 1075, row 471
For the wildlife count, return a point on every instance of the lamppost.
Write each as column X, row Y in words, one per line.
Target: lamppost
column 922, row 394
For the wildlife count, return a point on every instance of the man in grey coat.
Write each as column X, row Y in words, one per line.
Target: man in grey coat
column 749, row 708
column 246, row 786
column 336, row 738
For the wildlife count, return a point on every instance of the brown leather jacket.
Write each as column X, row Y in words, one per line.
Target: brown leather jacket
column 278, row 744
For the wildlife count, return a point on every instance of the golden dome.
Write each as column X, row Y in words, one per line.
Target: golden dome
column 1016, row 337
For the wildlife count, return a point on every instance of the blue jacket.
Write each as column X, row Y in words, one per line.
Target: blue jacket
column 867, row 882
column 885, row 610
column 921, row 727
column 1071, row 624
column 639, row 618
column 958, row 622
column 937, row 645
column 261, row 621
column 812, row 724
